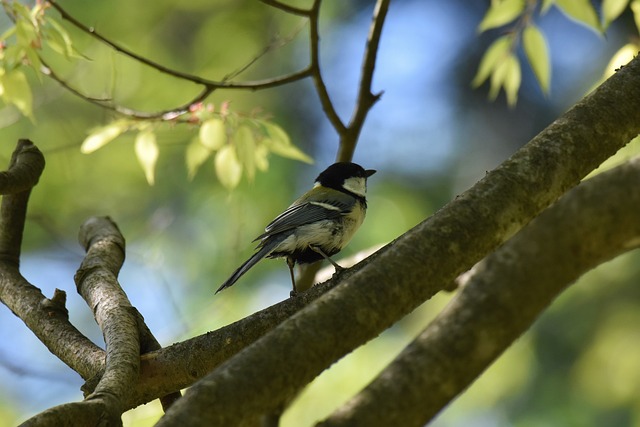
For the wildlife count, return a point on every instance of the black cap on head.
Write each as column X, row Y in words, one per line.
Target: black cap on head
column 334, row 175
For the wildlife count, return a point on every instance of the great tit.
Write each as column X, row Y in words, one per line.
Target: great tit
column 317, row 225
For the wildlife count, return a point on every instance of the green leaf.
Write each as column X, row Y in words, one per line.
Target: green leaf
column 507, row 75
column 146, row 148
column 278, row 142
column 196, row 155
column 58, row 38
column 495, row 53
column 245, row 147
column 213, row 134
column 35, row 62
column 611, row 9
column 512, row 80
column 635, row 8
column 26, row 34
column 622, row 57
column 228, row 168
column 261, row 154
column 501, row 13
column 100, row 137
column 17, row 91
column 535, row 47
column 581, row 11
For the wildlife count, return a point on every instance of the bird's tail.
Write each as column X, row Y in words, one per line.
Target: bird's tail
column 264, row 251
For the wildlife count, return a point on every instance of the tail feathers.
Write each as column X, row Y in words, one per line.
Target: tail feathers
column 264, row 251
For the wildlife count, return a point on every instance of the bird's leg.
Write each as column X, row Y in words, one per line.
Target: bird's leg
column 339, row 269
column 291, row 263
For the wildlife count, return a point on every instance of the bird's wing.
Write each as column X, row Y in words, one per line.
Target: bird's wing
column 308, row 211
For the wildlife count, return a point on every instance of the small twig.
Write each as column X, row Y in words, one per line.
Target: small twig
column 286, row 8
column 211, row 85
column 275, row 44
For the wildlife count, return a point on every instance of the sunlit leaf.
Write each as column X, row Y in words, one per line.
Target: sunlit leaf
column 581, row 11
column 501, row 13
column 611, row 9
column 100, row 137
column 213, row 134
column 635, row 8
column 620, row 58
column 535, row 47
column 58, row 38
column 228, row 168
column 26, row 34
column 507, row 75
column 21, row 11
column 495, row 53
column 146, row 148
column 261, row 154
column 278, row 142
column 245, row 146
column 34, row 61
column 196, row 155
column 17, row 91
column 512, row 80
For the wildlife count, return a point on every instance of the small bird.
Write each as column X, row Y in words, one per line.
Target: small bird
column 317, row 225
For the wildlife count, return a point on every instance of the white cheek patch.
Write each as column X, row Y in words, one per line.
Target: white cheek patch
column 357, row 185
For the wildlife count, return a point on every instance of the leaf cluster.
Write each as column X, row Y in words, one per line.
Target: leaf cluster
column 500, row 63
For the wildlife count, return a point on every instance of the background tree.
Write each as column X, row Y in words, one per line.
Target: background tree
column 480, row 322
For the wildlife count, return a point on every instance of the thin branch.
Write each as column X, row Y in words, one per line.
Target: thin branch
column 591, row 224
column 286, row 8
column 169, row 114
column 211, row 85
column 366, row 98
column 278, row 365
column 321, row 88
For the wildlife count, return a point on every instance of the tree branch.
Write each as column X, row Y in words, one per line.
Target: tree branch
column 211, row 85
column 316, row 74
column 47, row 318
column 97, row 283
column 275, row 367
column 25, row 168
column 366, row 98
column 593, row 223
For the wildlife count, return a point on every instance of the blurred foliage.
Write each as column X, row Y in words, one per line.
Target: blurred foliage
column 500, row 62
column 188, row 231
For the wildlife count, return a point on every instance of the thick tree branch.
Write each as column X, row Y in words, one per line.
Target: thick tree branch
column 594, row 222
column 97, row 282
column 25, row 168
column 47, row 318
column 397, row 279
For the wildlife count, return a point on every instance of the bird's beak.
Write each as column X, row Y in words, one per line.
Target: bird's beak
column 369, row 172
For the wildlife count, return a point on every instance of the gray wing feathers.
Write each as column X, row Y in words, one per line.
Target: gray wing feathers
column 306, row 213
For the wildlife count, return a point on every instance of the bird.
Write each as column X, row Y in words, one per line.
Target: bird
column 317, row 225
